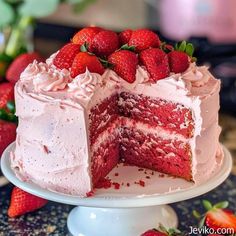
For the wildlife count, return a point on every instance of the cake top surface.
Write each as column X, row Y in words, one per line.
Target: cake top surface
column 99, row 61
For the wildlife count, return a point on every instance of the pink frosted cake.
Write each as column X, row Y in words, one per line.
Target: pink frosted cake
column 153, row 108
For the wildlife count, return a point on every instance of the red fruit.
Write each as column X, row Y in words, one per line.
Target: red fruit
column 86, row 35
column 124, row 64
column 178, row 61
column 85, row 60
column 143, row 39
column 153, row 232
column 220, row 218
column 23, row 202
column 105, row 43
column 19, row 65
column 7, row 134
column 6, row 94
column 156, row 62
column 66, row 55
column 125, row 36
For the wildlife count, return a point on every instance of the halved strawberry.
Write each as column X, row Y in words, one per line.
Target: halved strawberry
column 142, row 39
column 156, row 62
column 19, row 64
column 124, row 64
column 6, row 93
column 85, row 60
column 66, row 55
column 178, row 61
column 125, row 36
column 7, row 134
column 105, row 43
column 217, row 217
column 23, row 202
column 86, row 35
column 220, row 218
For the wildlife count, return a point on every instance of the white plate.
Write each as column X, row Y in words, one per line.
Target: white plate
column 156, row 190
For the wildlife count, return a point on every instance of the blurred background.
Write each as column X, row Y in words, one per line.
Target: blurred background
column 44, row 26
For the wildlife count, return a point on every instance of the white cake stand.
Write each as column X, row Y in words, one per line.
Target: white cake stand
column 128, row 211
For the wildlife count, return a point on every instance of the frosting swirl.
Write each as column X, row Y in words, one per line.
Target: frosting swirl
column 197, row 75
column 84, row 85
column 32, row 70
column 51, row 79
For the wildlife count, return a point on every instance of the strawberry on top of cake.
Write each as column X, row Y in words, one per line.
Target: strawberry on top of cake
column 104, row 98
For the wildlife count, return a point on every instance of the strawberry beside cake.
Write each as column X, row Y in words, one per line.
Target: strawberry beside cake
column 106, row 98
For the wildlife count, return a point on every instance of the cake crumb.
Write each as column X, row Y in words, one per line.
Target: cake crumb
column 128, row 184
column 140, row 182
column 116, row 174
column 140, row 169
column 161, row 175
column 90, row 194
column 116, row 185
column 148, row 177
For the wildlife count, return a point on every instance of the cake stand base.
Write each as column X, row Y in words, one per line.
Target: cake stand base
column 85, row 221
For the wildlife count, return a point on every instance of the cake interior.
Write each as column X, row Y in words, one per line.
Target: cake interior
column 142, row 131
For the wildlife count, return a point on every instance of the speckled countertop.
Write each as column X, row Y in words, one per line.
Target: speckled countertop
column 51, row 220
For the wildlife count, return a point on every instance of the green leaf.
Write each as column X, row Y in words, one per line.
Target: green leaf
column 6, row 14
column 189, row 49
column 196, row 214
column 182, row 46
column 223, row 204
column 36, row 8
column 208, row 206
column 127, row 47
column 84, row 47
column 202, row 222
column 11, row 106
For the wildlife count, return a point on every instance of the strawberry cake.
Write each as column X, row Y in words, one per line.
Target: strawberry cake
column 106, row 98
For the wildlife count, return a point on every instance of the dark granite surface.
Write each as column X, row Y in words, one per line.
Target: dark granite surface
column 51, row 220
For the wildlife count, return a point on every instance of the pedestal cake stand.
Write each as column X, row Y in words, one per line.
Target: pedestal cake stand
column 131, row 209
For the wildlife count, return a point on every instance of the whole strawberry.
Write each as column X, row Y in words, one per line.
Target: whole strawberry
column 156, row 62
column 125, row 36
column 142, row 39
column 7, row 134
column 124, row 64
column 217, row 217
column 86, row 35
column 23, row 202
column 6, row 93
column 19, row 65
column 66, row 55
column 85, row 60
column 162, row 231
column 105, row 43
column 153, row 232
column 178, row 61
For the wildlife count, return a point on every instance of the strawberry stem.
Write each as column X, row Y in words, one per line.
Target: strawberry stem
column 127, row 47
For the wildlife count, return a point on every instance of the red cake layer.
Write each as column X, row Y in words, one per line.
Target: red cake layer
column 101, row 116
column 157, row 112
column 153, row 152
column 105, row 158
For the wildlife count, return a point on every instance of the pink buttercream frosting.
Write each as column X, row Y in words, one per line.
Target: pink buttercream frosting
column 45, row 77
column 197, row 75
column 52, row 91
column 83, row 86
